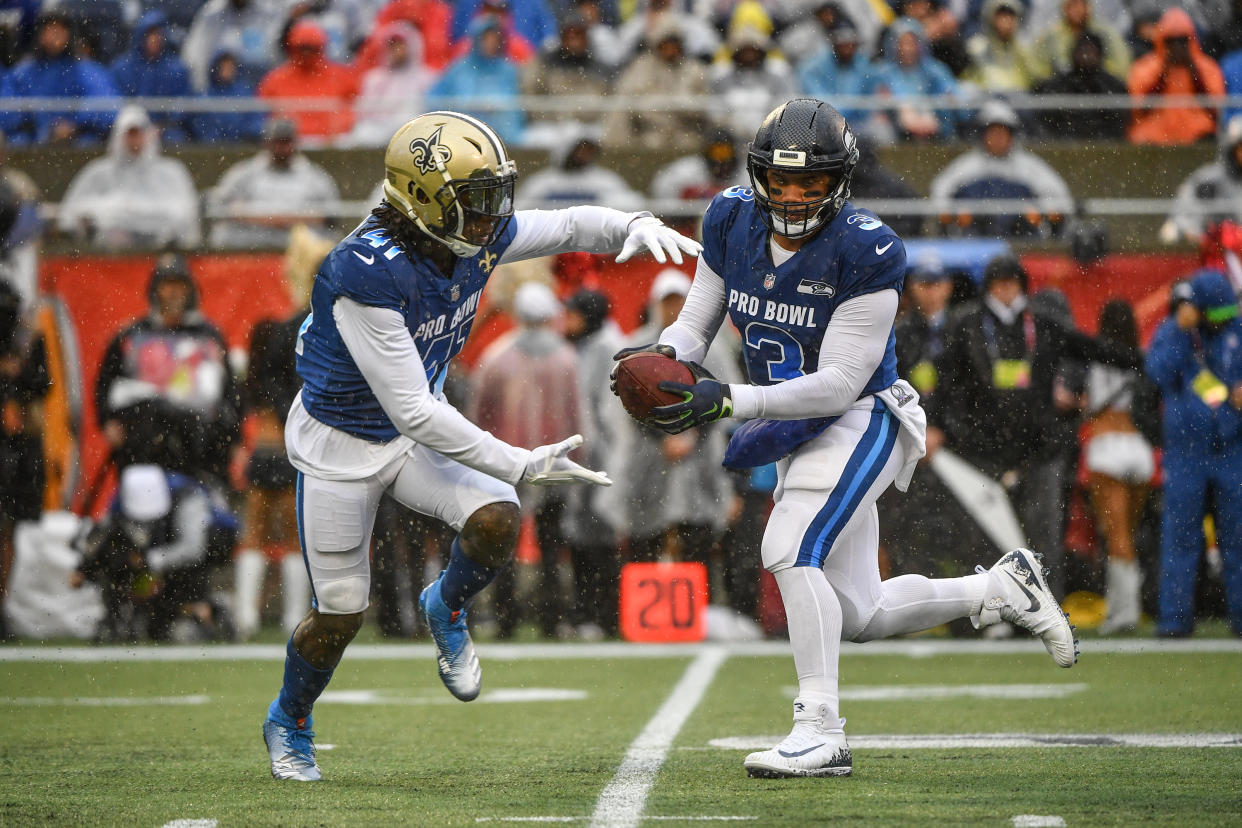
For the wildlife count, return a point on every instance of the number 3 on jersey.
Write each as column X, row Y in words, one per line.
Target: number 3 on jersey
column 773, row 351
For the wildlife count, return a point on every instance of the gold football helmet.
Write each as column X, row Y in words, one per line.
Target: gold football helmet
column 451, row 175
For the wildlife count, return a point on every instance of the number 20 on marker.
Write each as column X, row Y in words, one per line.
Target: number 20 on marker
column 663, row 602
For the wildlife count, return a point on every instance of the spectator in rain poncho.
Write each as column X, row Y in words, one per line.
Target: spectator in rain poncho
column 310, row 74
column 841, row 68
column 803, row 40
column 907, row 71
column 1176, row 66
column 533, row 20
column 133, row 196
column 575, row 177
column 271, row 192
column 345, row 22
column 485, row 73
column 651, row 18
column 665, row 70
column 754, row 81
column 432, row 18
column 571, row 67
column 1000, row 60
column 152, row 69
column 247, row 28
column 52, row 71
column 393, row 92
column 227, row 127
column 1053, row 47
column 1211, row 193
column 1000, row 168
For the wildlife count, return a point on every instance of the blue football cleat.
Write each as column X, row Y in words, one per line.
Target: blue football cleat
column 291, row 744
column 457, row 662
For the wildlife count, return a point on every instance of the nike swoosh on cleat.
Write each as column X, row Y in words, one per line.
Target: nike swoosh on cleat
column 801, row 752
column 365, row 259
column 1034, row 607
column 880, row 250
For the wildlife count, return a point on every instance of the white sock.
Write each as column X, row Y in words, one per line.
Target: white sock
column 814, row 615
column 910, row 603
column 1124, row 604
column 295, row 589
column 249, row 568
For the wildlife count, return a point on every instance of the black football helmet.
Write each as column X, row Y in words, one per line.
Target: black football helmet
column 803, row 135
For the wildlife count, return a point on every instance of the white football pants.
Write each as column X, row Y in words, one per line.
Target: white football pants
column 336, row 517
column 822, row 544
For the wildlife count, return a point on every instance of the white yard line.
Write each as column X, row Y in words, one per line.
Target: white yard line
column 1037, row 821
column 645, row 819
column 953, row 741
column 621, row 803
column 913, row 648
column 929, row 692
column 105, row 701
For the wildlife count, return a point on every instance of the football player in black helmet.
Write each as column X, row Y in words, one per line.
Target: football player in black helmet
column 801, row 163
column 812, row 282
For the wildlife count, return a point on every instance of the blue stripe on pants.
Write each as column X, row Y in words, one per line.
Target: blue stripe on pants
column 860, row 472
column 302, row 539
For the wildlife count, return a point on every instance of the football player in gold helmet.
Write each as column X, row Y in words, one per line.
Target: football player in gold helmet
column 391, row 305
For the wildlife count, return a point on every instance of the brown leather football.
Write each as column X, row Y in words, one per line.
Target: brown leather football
column 638, row 380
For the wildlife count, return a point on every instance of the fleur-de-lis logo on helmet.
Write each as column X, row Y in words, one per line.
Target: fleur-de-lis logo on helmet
column 424, row 151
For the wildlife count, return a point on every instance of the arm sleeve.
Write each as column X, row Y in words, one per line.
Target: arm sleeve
column 700, row 317
column 854, row 344
column 189, row 546
column 381, row 346
column 549, row 232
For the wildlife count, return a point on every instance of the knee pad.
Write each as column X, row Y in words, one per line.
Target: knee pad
column 856, row 612
column 788, row 524
column 342, row 596
column 783, row 535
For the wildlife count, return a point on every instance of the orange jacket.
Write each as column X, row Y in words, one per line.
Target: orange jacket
column 308, row 74
column 1152, row 75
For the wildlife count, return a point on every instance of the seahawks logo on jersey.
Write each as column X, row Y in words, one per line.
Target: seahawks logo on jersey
column 425, row 151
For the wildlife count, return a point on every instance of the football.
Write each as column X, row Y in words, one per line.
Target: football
column 638, row 380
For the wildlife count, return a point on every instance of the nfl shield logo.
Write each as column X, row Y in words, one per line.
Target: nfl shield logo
column 455, row 293
column 769, row 281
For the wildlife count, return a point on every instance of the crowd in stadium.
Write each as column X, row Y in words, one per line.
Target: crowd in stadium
column 375, row 63
column 370, row 61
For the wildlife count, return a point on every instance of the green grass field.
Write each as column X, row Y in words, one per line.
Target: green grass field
column 139, row 742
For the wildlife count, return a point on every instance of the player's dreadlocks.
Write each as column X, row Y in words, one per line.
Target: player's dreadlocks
column 414, row 242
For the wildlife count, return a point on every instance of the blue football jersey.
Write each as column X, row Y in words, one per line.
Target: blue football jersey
column 783, row 311
column 369, row 268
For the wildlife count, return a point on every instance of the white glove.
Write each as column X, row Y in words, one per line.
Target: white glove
column 550, row 466
column 650, row 233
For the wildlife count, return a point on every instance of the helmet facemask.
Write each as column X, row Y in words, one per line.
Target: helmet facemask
column 476, row 210
column 799, row 219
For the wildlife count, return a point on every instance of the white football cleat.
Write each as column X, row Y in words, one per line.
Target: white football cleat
column 1018, row 592
column 810, row 749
